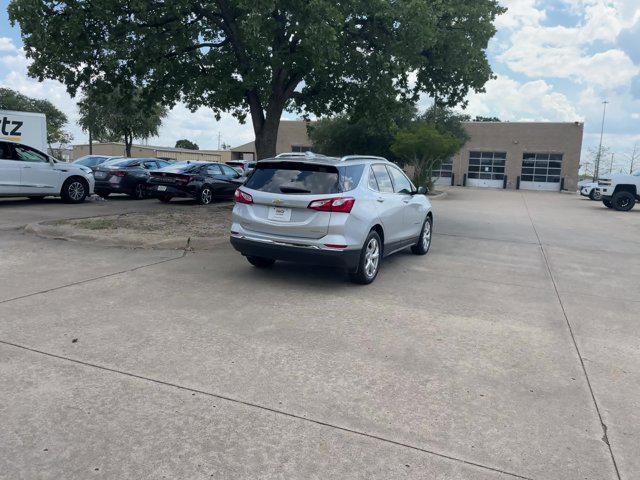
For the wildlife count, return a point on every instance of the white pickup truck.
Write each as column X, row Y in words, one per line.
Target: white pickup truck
column 620, row 191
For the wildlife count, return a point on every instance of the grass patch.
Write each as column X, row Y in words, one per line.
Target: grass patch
column 97, row 224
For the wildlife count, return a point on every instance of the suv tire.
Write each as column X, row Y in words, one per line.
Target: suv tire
column 260, row 262
column 74, row 190
column 607, row 203
column 165, row 198
column 424, row 242
column 370, row 258
column 595, row 194
column 623, row 201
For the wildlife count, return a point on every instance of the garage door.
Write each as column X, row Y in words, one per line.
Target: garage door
column 443, row 175
column 541, row 171
column 486, row 169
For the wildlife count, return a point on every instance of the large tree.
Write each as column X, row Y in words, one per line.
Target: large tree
column 366, row 132
column 119, row 114
column 56, row 119
column 434, row 137
column 264, row 56
column 424, row 147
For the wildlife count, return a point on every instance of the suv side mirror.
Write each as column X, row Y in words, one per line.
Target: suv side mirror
column 422, row 191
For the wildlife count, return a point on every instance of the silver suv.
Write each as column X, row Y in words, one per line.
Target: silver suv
column 347, row 212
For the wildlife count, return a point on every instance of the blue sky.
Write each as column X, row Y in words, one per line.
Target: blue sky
column 554, row 60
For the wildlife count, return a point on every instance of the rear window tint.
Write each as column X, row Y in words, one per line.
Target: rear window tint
column 127, row 162
column 182, row 167
column 304, row 179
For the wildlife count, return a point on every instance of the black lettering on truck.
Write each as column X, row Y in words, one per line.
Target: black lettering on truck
column 16, row 127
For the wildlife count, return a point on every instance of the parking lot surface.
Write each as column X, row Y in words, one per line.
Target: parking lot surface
column 510, row 351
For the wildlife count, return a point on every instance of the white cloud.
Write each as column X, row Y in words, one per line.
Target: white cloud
column 201, row 127
column 559, row 51
column 520, row 13
column 510, row 100
column 610, row 69
column 6, row 45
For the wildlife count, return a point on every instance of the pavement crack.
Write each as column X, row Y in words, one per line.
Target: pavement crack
column 276, row 411
column 605, row 438
column 93, row 279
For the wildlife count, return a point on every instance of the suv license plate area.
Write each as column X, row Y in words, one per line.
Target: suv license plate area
column 280, row 214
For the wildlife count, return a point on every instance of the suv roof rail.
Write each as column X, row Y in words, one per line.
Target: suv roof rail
column 307, row 154
column 363, row 157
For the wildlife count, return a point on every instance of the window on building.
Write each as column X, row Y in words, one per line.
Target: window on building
column 300, row 148
column 445, row 170
column 541, row 167
column 487, row 165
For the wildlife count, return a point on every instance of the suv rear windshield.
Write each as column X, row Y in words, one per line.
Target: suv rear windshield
column 304, row 178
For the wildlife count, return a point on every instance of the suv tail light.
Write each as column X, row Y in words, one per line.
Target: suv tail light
column 242, row 197
column 344, row 204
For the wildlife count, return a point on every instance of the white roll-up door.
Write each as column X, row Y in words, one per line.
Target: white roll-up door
column 486, row 169
column 541, row 171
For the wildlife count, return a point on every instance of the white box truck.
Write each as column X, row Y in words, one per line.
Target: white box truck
column 24, row 127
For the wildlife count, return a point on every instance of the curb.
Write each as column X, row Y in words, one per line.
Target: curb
column 125, row 241
column 438, row 196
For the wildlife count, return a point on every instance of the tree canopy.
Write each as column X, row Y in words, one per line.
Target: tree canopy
column 357, row 132
column 56, row 119
column 188, row 144
column 480, row 118
column 122, row 114
column 262, row 57
column 433, row 137
column 424, row 147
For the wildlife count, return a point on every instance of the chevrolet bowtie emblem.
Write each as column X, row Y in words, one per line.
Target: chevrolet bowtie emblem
column 277, row 202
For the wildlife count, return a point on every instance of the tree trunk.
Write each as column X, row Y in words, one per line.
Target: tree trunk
column 90, row 143
column 266, row 124
column 128, row 140
column 267, row 138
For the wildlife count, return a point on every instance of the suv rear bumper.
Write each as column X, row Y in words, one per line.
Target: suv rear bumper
column 312, row 255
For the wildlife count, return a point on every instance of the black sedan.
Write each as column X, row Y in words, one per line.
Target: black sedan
column 129, row 175
column 204, row 181
column 92, row 161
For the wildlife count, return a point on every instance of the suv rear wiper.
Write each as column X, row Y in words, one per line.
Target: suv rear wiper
column 285, row 189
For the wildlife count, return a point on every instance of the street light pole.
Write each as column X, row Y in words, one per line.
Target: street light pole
column 596, row 170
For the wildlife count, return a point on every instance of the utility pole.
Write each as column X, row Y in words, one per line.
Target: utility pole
column 596, row 170
column 611, row 165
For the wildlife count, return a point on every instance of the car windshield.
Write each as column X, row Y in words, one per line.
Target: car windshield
column 303, row 178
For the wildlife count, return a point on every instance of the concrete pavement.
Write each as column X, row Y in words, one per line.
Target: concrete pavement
column 510, row 351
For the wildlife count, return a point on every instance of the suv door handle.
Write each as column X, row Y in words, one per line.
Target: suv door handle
column 26, row 167
column 380, row 199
